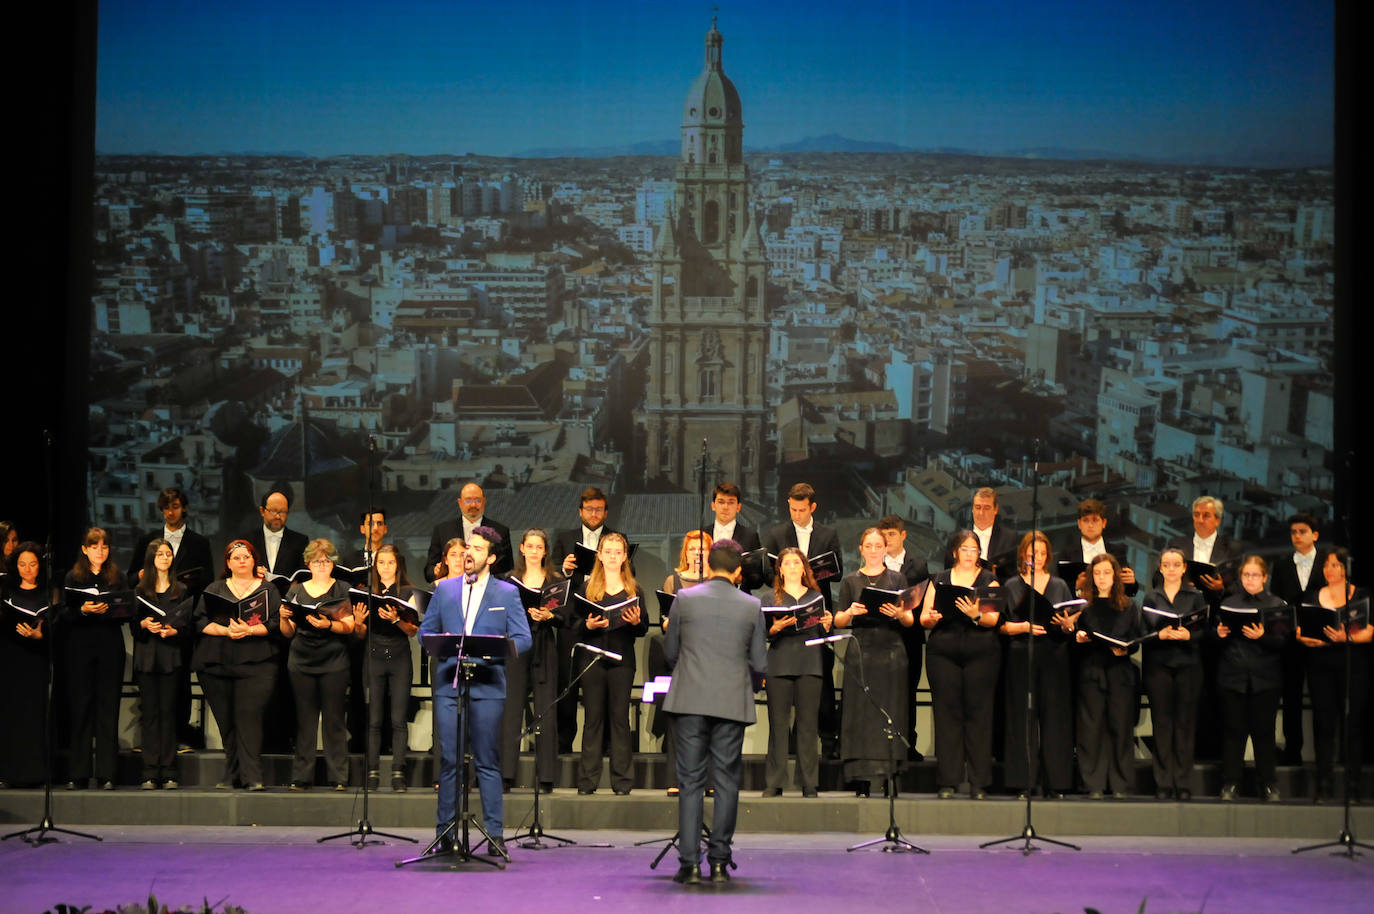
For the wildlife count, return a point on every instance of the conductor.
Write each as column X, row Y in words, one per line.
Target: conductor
column 714, row 641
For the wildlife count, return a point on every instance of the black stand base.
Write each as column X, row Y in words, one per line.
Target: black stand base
column 671, row 843
column 892, row 842
column 43, row 831
column 535, row 833
column 362, row 835
column 461, row 851
column 1346, row 841
column 1028, row 835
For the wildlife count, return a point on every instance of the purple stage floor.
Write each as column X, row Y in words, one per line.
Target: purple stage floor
column 272, row 870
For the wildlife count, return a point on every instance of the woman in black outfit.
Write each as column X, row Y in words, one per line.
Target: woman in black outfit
column 1326, row 682
column 535, row 671
column 1051, row 730
column 606, row 684
column 962, row 660
column 1250, row 680
column 158, row 637
column 24, row 670
column 1108, row 684
column 794, row 678
column 236, row 663
column 318, row 665
column 876, row 659
column 388, row 667
column 1172, row 670
column 93, row 654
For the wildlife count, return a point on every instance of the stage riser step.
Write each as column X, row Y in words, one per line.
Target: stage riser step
column 567, row 811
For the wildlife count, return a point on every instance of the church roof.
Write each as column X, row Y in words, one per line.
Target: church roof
column 713, row 100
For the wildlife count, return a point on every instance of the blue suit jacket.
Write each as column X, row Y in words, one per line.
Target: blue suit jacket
column 498, row 613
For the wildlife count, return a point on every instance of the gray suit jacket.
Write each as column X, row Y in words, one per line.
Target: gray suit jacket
column 714, row 639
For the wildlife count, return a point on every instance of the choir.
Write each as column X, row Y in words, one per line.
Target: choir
column 1069, row 647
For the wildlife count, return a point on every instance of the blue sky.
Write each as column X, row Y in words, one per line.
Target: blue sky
column 1223, row 80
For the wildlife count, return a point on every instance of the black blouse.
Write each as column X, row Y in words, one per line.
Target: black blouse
column 788, row 654
column 318, row 650
column 213, row 651
column 620, row 640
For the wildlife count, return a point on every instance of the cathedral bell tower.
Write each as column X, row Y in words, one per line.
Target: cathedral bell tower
column 708, row 341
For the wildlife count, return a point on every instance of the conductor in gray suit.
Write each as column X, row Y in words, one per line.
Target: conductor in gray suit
column 714, row 641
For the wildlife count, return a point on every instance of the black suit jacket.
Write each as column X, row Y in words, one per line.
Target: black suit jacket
column 748, row 539
column 1069, row 548
column 194, row 552
column 563, row 545
column 447, row 530
column 1002, row 549
column 291, row 555
column 1284, row 583
column 1226, row 554
column 823, row 539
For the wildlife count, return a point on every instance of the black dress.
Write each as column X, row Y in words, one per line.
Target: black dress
column 92, row 652
column 876, row 658
column 606, row 697
column 23, row 689
column 794, row 692
column 1326, row 684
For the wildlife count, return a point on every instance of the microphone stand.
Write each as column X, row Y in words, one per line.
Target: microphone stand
column 536, row 830
column 41, row 833
column 892, row 841
column 361, row 832
column 1028, row 833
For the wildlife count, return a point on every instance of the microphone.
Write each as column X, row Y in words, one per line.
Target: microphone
column 600, row 652
column 829, row 639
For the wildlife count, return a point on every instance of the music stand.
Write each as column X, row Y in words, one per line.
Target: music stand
column 469, row 651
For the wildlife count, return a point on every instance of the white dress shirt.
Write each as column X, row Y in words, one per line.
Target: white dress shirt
column 472, row 601
column 1202, row 548
column 723, row 531
column 591, row 538
column 1304, row 565
column 804, row 538
column 1093, row 550
column 272, row 543
column 173, row 537
column 984, row 538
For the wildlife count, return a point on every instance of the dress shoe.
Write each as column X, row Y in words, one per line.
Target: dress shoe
column 1228, row 793
column 914, row 755
column 149, row 784
column 447, row 844
column 170, row 784
column 1122, row 795
column 340, row 787
column 586, row 791
column 772, row 792
column 946, row 793
column 621, row 791
column 107, row 784
column 1055, row 795
column 978, row 794
column 710, row 791
column 1095, row 795
column 224, row 785
column 545, row 787
column 862, row 790
column 398, row 783
column 1184, row 794
column 1164, row 793
column 300, row 785
column 720, row 871
column 496, row 847
column 674, row 791
column 1023, row 796
column 506, row 785
column 896, row 791
column 810, row 793
column 257, row 787
column 374, row 780
column 73, row 785
column 185, row 749
column 688, row 874
column 1271, row 795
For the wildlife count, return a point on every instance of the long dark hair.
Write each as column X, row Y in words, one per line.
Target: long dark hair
column 808, row 578
column 147, row 584
column 402, row 579
column 519, row 571
column 81, row 570
column 1087, row 588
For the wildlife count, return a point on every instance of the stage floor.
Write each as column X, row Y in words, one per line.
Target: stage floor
column 283, row 869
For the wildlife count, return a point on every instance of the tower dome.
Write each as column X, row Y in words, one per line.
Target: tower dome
column 712, row 117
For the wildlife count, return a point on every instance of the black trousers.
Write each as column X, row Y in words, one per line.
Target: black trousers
column 1248, row 715
column 714, row 744
column 388, row 684
column 962, row 669
column 1294, row 673
column 789, row 696
column 567, row 707
column 238, row 697
column 157, row 697
column 606, row 702
column 528, row 674
column 1326, row 685
column 321, row 700
column 359, row 718
column 1175, row 694
column 94, row 661
column 1051, row 725
column 1108, row 699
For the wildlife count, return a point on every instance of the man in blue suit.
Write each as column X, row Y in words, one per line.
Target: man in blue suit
column 475, row 604
column 713, row 643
